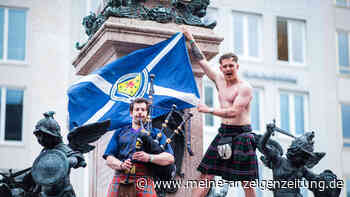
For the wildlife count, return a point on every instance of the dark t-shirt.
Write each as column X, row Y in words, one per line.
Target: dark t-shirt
column 122, row 144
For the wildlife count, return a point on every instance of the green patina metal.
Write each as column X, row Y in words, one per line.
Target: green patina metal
column 189, row 12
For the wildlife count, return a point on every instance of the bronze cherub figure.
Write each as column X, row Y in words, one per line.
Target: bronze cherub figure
column 295, row 166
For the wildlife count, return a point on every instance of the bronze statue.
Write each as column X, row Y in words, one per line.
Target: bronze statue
column 189, row 12
column 326, row 189
column 49, row 175
column 192, row 12
column 15, row 184
column 296, row 165
column 91, row 24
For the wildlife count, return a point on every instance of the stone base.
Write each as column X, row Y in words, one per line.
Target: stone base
column 120, row 36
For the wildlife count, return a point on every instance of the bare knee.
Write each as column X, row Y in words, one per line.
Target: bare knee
column 249, row 188
column 206, row 176
column 202, row 191
column 248, row 185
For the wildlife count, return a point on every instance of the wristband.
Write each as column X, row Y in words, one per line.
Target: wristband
column 191, row 42
column 211, row 110
column 151, row 157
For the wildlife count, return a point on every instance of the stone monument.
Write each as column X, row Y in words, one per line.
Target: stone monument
column 118, row 36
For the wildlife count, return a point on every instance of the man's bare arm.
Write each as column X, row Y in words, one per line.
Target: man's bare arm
column 241, row 102
column 203, row 62
column 199, row 56
column 162, row 159
column 116, row 164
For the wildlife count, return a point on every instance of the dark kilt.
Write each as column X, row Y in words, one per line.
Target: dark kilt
column 243, row 164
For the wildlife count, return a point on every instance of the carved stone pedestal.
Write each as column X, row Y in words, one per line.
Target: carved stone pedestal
column 118, row 37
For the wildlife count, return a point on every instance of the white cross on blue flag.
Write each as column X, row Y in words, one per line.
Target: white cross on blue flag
column 107, row 92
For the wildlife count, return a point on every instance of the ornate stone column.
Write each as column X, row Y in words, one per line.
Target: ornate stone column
column 118, row 37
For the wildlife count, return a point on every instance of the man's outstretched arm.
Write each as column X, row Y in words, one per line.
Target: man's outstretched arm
column 198, row 55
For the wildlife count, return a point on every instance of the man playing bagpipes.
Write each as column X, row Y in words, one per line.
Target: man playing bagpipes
column 125, row 154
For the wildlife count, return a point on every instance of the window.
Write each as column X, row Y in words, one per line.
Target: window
column 12, row 34
column 210, row 95
column 291, row 40
column 345, row 117
column 343, row 52
column 343, row 3
column 256, row 109
column 11, row 113
column 293, row 112
column 247, row 35
column 209, row 101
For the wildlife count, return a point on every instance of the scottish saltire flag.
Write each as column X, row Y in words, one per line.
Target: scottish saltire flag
column 107, row 92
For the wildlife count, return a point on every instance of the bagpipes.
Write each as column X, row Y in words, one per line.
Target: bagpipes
column 148, row 144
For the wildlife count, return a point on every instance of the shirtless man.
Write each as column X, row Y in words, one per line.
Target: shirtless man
column 235, row 96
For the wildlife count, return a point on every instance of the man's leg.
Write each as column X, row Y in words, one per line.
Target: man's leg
column 248, row 189
column 201, row 192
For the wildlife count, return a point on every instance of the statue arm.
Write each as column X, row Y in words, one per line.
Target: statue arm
column 75, row 158
column 266, row 150
column 73, row 162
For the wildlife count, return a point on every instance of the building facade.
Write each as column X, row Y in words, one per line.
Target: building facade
column 296, row 55
column 37, row 41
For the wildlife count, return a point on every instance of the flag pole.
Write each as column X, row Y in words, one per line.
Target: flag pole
column 150, row 95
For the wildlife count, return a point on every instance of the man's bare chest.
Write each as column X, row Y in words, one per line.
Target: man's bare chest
column 228, row 95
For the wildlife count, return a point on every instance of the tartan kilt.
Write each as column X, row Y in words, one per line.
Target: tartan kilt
column 145, row 180
column 243, row 163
